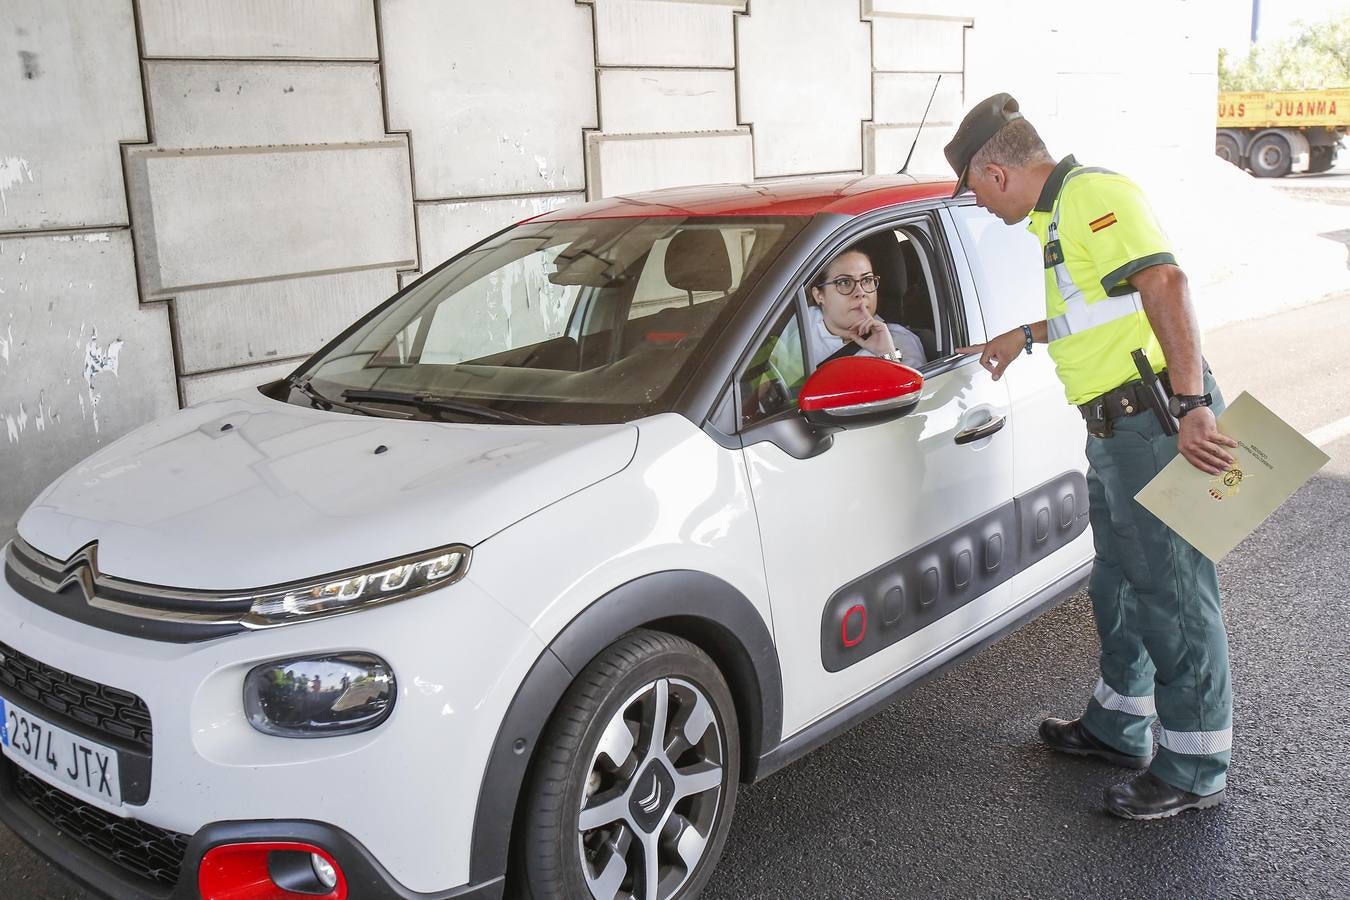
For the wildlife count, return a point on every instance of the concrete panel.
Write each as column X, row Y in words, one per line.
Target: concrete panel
column 624, row 165
column 493, row 95
column 920, row 9
column 70, row 89
column 447, row 228
column 805, row 85
column 81, row 361
column 634, row 101
column 901, row 98
column 268, row 29
column 234, row 104
column 665, row 33
column 919, row 45
column 273, row 213
column 886, row 147
column 252, row 323
column 197, row 388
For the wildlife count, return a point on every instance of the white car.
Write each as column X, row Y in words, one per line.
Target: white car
column 509, row 587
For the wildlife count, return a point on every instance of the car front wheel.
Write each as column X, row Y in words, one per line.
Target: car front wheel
column 634, row 787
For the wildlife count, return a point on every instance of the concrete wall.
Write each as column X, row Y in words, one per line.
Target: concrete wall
column 195, row 194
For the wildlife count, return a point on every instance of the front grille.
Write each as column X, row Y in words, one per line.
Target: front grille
column 148, row 852
column 76, row 589
column 104, row 709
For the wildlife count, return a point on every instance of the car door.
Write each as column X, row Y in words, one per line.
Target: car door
column 1005, row 274
column 882, row 542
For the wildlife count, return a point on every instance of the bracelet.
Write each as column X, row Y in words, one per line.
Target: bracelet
column 1026, row 330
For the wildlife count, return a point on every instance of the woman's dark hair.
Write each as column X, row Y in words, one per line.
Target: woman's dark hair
column 818, row 280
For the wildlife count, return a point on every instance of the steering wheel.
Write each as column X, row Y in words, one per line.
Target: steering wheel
column 773, row 393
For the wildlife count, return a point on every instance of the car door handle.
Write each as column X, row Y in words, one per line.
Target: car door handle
column 970, row 435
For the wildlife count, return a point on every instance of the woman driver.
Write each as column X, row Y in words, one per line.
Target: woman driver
column 843, row 312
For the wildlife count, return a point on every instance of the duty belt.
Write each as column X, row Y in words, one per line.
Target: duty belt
column 1117, row 403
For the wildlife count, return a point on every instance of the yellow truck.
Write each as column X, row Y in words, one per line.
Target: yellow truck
column 1273, row 133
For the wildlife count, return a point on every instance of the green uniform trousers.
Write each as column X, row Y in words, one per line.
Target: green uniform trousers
column 1155, row 599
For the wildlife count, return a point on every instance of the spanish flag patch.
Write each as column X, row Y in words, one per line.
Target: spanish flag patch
column 1105, row 221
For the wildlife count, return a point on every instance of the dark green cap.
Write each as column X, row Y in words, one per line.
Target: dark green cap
column 980, row 124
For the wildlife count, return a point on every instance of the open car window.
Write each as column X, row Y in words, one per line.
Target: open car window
column 915, row 289
column 773, row 379
column 563, row 322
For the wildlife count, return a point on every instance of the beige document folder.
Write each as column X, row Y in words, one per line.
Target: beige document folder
column 1216, row 512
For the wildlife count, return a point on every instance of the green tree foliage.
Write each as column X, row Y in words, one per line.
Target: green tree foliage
column 1316, row 56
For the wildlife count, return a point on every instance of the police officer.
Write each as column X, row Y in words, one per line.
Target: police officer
column 1112, row 285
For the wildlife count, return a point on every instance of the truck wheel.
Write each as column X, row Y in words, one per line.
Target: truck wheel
column 1226, row 148
column 634, row 787
column 1321, row 157
column 1270, row 157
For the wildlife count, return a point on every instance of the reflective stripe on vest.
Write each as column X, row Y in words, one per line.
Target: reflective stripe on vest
column 1079, row 315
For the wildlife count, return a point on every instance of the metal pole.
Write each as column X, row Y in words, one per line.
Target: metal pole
column 1256, row 19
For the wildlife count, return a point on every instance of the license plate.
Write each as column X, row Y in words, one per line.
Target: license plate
column 58, row 756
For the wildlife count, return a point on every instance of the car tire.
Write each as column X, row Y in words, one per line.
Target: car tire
column 663, row 808
column 1226, row 148
column 1269, row 157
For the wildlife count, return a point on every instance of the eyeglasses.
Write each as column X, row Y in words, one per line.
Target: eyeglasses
column 844, row 283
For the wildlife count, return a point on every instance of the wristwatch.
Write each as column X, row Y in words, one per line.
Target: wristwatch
column 1180, row 404
column 892, row 355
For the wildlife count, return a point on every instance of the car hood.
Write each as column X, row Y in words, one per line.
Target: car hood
column 244, row 491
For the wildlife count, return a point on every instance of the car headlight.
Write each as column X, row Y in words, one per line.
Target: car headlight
column 358, row 588
column 319, row 696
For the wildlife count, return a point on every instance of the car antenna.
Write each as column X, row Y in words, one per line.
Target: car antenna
column 920, row 131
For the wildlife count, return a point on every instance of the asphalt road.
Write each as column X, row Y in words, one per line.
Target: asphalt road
column 949, row 794
column 1337, row 177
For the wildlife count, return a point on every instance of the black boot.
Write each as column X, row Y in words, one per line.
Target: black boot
column 1071, row 737
column 1149, row 797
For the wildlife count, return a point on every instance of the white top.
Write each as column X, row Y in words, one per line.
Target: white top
column 825, row 344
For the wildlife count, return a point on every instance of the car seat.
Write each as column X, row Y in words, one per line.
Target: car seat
column 902, row 296
column 696, row 260
column 917, row 302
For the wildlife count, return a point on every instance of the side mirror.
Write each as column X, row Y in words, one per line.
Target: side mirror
column 859, row 390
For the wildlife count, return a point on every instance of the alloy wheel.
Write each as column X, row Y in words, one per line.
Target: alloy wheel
column 652, row 794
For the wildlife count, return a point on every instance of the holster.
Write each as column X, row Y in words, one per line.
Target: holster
column 1094, row 414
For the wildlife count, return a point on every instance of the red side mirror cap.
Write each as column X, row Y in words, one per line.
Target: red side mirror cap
column 858, row 389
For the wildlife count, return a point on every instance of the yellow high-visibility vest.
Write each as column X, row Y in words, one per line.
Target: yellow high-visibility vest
column 1096, row 230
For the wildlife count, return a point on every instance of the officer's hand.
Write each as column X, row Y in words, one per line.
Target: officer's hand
column 999, row 353
column 1201, row 442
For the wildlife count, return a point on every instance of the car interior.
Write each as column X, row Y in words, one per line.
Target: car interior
column 698, row 274
column 904, row 296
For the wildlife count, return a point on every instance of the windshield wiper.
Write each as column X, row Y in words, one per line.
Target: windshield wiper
column 319, row 401
column 428, row 401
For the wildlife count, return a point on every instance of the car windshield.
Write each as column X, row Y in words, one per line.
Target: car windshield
column 580, row 321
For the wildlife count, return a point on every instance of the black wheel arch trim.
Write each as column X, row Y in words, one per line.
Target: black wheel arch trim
column 711, row 613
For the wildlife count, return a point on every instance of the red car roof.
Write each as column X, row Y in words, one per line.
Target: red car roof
column 843, row 194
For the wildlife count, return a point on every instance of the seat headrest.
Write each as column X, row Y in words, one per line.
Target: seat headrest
column 697, row 260
column 886, row 259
